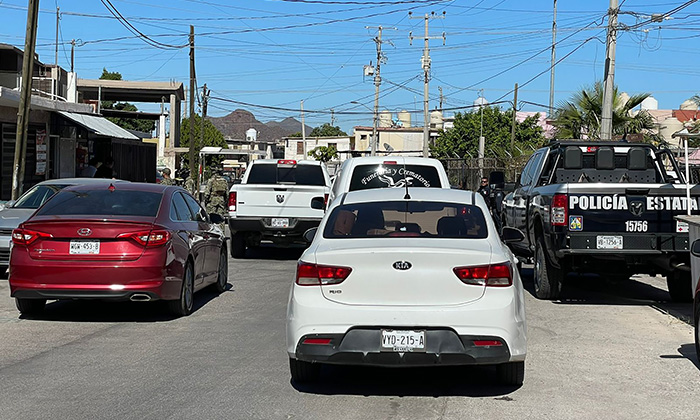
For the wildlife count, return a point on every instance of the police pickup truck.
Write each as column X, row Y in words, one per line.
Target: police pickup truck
column 277, row 201
column 602, row 207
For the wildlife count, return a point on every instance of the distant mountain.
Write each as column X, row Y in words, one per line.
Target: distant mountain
column 235, row 124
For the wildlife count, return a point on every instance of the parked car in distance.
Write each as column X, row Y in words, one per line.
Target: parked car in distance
column 17, row 212
column 422, row 280
column 388, row 172
column 118, row 241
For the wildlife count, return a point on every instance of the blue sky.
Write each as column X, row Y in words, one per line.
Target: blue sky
column 274, row 53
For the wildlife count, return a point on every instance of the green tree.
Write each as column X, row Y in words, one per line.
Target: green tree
column 463, row 139
column 324, row 153
column 581, row 116
column 327, row 130
column 212, row 137
column 127, row 123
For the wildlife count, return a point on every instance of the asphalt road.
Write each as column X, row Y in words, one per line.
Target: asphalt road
column 603, row 351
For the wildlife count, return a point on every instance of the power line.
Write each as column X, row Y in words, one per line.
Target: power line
column 131, row 28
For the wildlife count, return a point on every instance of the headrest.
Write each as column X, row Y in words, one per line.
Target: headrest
column 573, row 158
column 605, row 158
column 636, row 159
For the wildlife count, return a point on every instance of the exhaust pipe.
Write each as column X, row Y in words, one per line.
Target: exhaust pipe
column 140, row 297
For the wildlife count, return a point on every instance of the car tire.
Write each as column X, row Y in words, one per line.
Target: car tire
column 679, row 286
column 30, row 306
column 512, row 373
column 547, row 278
column 222, row 275
column 184, row 304
column 238, row 245
column 696, row 318
column 304, row 371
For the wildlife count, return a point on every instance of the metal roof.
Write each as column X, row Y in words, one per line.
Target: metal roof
column 99, row 125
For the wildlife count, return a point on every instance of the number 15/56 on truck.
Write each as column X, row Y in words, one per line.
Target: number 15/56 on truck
column 602, row 207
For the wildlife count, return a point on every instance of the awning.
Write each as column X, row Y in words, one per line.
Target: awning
column 99, row 125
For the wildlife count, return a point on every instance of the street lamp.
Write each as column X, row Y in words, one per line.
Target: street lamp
column 375, row 139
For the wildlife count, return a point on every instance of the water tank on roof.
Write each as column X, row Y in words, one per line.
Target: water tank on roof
column 689, row 105
column 251, row 134
column 405, row 118
column 650, row 103
column 436, row 119
column 385, row 119
column 481, row 101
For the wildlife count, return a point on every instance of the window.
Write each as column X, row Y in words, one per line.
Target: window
column 103, row 202
column 179, row 210
column 300, row 148
column 403, row 219
column 397, row 176
column 270, row 173
column 334, row 145
column 199, row 213
column 37, row 196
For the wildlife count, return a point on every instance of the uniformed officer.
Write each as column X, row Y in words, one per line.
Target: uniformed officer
column 166, row 177
column 215, row 193
column 191, row 185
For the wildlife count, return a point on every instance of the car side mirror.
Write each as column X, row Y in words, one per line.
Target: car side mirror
column 310, row 234
column 318, row 203
column 695, row 248
column 216, row 218
column 511, row 234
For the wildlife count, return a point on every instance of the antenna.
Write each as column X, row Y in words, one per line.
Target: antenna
column 407, row 196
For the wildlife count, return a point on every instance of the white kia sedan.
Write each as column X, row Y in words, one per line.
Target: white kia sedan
column 407, row 277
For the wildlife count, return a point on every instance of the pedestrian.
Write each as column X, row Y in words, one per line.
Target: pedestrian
column 485, row 190
column 191, row 185
column 215, row 195
column 90, row 170
column 167, row 180
column 105, row 171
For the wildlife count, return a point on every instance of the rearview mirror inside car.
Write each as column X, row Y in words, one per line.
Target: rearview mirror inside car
column 309, row 234
column 510, row 234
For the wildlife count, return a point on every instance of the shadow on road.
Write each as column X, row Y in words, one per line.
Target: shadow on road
column 439, row 381
column 270, row 252
column 685, row 351
column 106, row 311
column 591, row 289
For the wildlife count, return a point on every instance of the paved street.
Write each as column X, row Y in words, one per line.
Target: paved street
column 604, row 351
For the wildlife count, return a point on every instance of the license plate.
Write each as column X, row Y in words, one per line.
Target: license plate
column 609, row 242
column 84, row 247
column 282, row 223
column 403, row 341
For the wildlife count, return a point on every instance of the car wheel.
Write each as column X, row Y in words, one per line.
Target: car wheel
column 511, row 373
column 679, row 286
column 30, row 306
column 222, row 277
column 238, row 245
column 183, row 306
column 304, row 371
column 547, row 278
column 697, row 327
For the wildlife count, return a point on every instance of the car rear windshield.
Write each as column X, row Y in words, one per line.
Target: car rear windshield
column 393, row 176
column 103, row 202
column 271, row 173
column 37, row 196
column 422, row 219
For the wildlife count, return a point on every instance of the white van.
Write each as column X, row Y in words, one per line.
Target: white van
column 388, row 172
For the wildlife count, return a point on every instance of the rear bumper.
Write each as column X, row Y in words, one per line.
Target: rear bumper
column 361, row 346
column 82, row 294
column 633, row 244
column 297, row 226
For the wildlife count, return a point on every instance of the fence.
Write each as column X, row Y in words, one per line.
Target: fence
column 467, row 173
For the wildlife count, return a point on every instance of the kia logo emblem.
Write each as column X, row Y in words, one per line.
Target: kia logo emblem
column 84, row 232
column 402, row 265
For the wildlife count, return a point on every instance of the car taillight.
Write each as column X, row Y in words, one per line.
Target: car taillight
column 147, row 237
column 286, row 162
column 494, row 275
column 325, row 201
column 559, row 209
column 26, row 237
column 317, row 275
column 232, row 201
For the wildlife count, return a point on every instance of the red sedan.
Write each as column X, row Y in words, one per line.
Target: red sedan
column 139, row 242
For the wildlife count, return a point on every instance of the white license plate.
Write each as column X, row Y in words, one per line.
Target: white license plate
column 282, row 223
column 84, row 247
column 403, row 341
column 609, row 242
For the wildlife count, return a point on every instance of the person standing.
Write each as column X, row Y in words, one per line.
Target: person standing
column 215, row 194
column 485, row 190
column 167, row 180
column 90, row 170
column 105, row 171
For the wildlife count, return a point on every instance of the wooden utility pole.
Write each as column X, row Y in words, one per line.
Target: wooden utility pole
column 205, row 98
column 25, row 100
column 553, row 60
column 194, row 169
column 72, row 54
column 303, row 129
column 512, row 127
column 609, row 85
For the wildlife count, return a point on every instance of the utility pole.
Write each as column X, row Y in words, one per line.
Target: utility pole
column 554, row 58
column 609, row 86
column 205, row 100
column 482, row 140
column 377, row 82
column 426, row 76
column 512, row 127
column 441, row 97
column 303, row 131
column 332, row 117
column 25, row 99
column 58, row 17
column 194, row 169
column 72, row 54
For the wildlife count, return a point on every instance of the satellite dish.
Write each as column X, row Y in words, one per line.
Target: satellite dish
column 388, row 147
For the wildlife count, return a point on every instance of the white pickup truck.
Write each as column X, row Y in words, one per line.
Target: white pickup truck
column 277, row 201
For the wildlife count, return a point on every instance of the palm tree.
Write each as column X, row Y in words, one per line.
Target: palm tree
column 581, row 116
